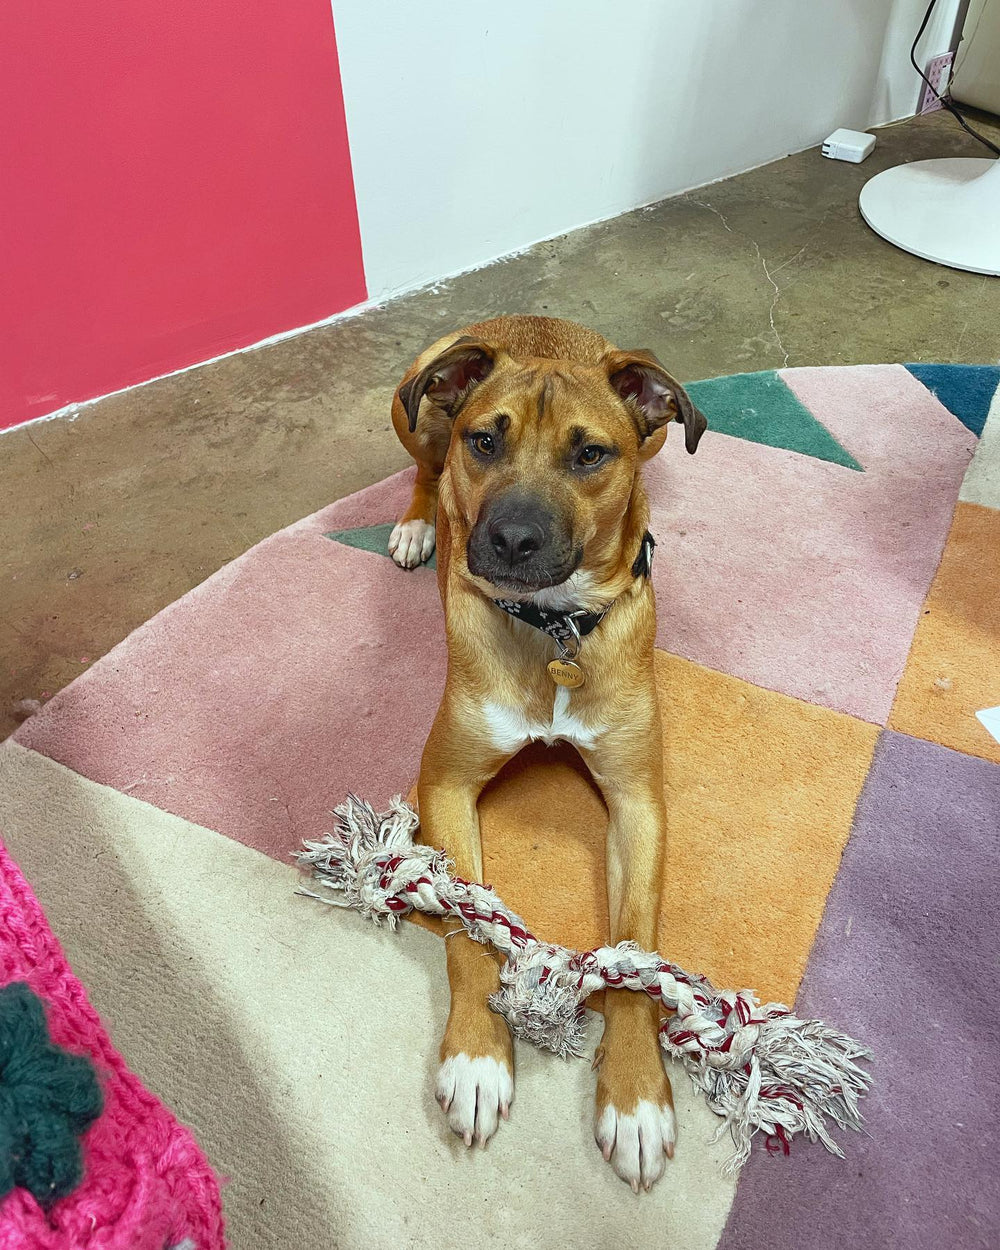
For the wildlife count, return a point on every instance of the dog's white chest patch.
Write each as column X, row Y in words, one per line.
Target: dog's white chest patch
column 510, row 729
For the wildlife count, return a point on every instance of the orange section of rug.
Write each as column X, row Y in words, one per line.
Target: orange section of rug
column 761, row 790
column 953, row 669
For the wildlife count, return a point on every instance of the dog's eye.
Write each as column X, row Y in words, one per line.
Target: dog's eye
column 591, row 455
column 483, row 444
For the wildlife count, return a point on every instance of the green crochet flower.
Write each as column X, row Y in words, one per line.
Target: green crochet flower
column 48, row 1098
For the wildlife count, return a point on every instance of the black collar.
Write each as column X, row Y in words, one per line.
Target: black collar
column 567, row 628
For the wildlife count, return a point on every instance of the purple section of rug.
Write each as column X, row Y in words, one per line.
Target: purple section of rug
column 906, row 959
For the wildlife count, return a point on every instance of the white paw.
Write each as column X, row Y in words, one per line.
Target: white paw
column 411, row 543
column 635, row 1144
column 474, row 1094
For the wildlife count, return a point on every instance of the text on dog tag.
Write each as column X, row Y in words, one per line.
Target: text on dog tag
column 566, row 673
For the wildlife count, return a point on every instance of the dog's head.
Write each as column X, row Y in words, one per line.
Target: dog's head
column 544, row 454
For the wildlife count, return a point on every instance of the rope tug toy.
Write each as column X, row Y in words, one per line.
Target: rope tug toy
column 760, row 1067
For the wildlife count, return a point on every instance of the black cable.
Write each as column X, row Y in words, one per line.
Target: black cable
column 946, row 101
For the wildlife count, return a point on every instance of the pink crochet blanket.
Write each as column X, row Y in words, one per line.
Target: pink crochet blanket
column 146, row 1184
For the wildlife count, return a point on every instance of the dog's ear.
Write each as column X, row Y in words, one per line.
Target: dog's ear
column 449, row 378
column 653, row 396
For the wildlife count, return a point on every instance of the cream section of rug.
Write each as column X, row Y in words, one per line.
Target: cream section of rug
column 300, row 1044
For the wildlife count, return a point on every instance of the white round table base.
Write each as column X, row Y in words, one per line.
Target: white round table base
column 944, row 210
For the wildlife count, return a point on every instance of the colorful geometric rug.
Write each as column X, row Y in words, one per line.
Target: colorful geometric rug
column 829, row 626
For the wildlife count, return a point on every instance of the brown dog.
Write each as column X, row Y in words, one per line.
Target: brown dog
column 529, row 435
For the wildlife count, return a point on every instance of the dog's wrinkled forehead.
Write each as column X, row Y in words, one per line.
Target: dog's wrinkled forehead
column 546, row 400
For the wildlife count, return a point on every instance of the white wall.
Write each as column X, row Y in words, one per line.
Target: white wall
column 478, row 127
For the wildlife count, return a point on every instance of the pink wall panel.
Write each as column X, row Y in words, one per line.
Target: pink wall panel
column 175, row 182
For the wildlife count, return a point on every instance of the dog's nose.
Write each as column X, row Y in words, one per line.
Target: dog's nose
column 515, row 540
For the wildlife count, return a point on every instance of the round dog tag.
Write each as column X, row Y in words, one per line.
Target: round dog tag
column 566, row 673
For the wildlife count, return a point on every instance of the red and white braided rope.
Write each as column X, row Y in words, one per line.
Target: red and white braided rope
column 760, row 1067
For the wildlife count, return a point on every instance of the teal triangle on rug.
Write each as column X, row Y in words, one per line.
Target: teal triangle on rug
column 760, row 408
column 965, row 390
column 374, row 538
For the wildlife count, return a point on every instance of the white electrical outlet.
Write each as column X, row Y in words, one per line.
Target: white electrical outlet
column 938, row 72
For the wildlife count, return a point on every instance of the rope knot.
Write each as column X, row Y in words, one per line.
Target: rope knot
column 540, row 1000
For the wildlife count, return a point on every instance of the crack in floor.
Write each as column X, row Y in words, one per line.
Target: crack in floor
column 768, row 274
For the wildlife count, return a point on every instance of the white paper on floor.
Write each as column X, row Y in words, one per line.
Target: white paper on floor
column 990, row 717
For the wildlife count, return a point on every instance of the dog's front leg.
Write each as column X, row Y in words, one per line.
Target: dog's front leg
column 412, row 539
column 634, row 1119
column 475, row 1081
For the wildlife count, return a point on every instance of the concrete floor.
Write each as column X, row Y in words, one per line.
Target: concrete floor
column 106, row 519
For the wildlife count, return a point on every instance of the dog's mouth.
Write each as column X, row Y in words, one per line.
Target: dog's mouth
column 524, row 582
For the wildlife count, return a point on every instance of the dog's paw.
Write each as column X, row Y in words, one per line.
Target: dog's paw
column 411, row 543
column 635, row 1143
column 474, row 1094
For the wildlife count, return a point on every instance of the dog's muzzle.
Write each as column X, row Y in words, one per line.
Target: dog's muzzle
column 519, row 544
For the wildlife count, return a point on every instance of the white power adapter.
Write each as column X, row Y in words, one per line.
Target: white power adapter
column 848, row 145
